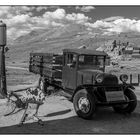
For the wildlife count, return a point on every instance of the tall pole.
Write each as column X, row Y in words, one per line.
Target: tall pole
column 3, row 86
column 3, row 74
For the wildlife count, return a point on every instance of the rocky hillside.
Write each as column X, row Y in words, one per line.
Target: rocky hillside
column 55, row 39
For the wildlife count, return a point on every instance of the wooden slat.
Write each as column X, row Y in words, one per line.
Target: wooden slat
column 49, row 65
column 58, row 60
column 45, row 65
column 35, row 69
column 46, row 71
column 38, row 59
column 35, row 63
column 48, row 60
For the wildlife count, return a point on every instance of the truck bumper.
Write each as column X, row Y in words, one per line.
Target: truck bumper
column 113, row 103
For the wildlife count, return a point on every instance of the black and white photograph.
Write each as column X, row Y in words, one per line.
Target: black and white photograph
column 69, row 69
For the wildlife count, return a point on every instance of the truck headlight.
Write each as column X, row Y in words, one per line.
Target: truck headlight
column 124, row 78
column 99, row 78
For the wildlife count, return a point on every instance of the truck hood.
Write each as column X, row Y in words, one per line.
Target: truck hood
column 90, row 71
column 89, row 76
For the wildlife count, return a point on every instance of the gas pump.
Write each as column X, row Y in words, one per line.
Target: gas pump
column 3, row 86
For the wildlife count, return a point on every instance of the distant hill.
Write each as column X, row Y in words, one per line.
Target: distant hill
column 55, row 39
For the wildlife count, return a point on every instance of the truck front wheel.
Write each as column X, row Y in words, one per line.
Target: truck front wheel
column 84, row 104
column 132, row 103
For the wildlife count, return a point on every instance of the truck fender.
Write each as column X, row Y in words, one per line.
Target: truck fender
column 89, row 88
column 129, row 86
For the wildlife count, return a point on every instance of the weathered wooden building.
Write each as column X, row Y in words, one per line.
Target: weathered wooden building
column 136, row 52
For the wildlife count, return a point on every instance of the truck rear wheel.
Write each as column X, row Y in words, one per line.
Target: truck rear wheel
column 84, row 104
column 130, row 107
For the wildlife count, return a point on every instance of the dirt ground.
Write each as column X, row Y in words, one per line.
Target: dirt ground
column 59, row 116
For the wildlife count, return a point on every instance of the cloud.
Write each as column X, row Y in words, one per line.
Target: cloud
column 18, row 19
column 16, row 32
column 78, row 18
column 118, row 25
column 4, row 10
column 57, row 14
column 126, row 25
column 110, row 19
column 7, row 12
column 40, row 8
column 21, row 20
column 60, row 15
column 85, row 8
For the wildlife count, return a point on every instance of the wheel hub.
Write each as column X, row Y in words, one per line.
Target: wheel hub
column 84, row 104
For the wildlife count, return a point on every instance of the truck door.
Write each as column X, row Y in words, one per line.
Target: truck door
column 69, row 71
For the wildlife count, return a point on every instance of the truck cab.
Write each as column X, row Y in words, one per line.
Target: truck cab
column 80, row 66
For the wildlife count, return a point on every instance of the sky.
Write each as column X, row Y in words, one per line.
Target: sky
column 20, row 20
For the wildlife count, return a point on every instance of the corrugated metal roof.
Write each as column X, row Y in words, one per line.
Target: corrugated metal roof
column 85, row 51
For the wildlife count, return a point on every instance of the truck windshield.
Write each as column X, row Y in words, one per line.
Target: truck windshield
column 91, row 60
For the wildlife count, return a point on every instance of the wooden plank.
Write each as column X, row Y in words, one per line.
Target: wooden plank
column 34, row 70
column 57, row 75
column 38, row 59
column 48, row 60
column 0, row 69
column 40, row 70
column 53, row 66
column 46, row 64
column 58, row 59
column 46, row 71
column 35, row 63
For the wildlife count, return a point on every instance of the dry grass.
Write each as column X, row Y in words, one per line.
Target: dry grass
column 20, row 77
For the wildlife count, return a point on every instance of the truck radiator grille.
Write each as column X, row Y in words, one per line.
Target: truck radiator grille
column 100, row 93
column 110, row 80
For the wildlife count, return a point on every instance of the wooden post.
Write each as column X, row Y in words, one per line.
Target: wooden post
column 3, row 74
column 0, row 73
column 3, row 86
column 138, row 78
column 130, row 78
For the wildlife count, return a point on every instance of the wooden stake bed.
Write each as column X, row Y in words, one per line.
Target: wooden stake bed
column 46, row 64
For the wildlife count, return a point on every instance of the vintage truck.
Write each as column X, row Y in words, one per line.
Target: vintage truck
column 81, row 74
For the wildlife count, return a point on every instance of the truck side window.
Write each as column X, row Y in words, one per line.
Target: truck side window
column 100, row 61
column 71, row 61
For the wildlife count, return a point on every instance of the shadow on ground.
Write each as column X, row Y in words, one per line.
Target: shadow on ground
column 58, row 113
column 106, row 121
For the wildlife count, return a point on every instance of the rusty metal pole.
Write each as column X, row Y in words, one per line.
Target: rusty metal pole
column 3, row 84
